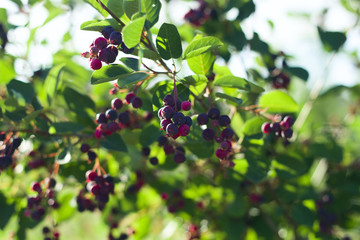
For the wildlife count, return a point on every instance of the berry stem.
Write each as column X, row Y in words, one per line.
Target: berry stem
column 111, row 13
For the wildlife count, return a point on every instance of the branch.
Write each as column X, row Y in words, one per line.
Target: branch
column 111, row 13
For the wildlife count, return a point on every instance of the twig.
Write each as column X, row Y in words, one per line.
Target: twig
column 111, row 13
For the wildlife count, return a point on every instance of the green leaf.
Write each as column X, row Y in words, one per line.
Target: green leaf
column 230, row 98
column 201, row 45
column 202, row 64
column 108, row 73
column 149, row 135
column 6, row 69
column 147, row 54
column 332, row 41
column 237, row 208
column 246, row 9
column 194, row 80
column 21, row 90
column 64, row 156
column 152, row 9
column 298, row 72
column 278, row 102
column 98, row 25
column 134, row 77
column 253, row 126
column 116, row 7
column 131, row 7
column 52, row 81
column 303, row 215
column 66, row 127
column 237, row 82
column 168, row 42
column 132, row 63
column 132, row 32
column 7, row 210
column 114, row 142
column 97, row 6
column 197, row 145
column 162, row 90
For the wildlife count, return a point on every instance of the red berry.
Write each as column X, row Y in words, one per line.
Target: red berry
column 116, row 103
column 129, row 97
column 221, row 153
column 100, row 43
column 185, row 105
column 95, row 64
column 35, row 186
column 184, row 130
column 266, row 128
column 91, row 175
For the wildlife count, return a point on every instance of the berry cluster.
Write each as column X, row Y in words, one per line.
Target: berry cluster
column 169, row 148
column 7, row 152
column 100, row 187
column 174, row 202
column 112, row 121
column 174, row 122
column 105, row 49
column 50, row 235
column 199, row 16
column 279, row 128
column 35, row 208
column 217, row 127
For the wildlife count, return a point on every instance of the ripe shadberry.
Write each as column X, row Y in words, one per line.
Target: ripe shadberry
column 221, row 153
column 112, row 126
column 107, row 31
column 115, row 38
column 169, row 100
column 94, row 51
column 287, row 133
column 111, row 114
column 168, row 149
column 129, row 97
column 203, row 119
column 145, row 151
column 91, row 175
column 107, row 55
column 208, row 134
column 154, row 161
column 91, row 155
column 162, row 140
column 275, row 127
column 224, row 120
column 290, row 120
column 179, row 157
column 178, row 118
column 136, row 102
column 184, row 130
column 167, row 112
column 164, row 123
column 185, row 105
column 125, row 49
column 227, row 133
column 214, row 113
column 225, row 145
column 266, row 128
column 172, row 129
column 100, row 43
column 95, row 64
column 101, row 118
column 124, row 118
column 188, row 121
column 35, row 186
column 84, row 147
column 116, row 103
column 284, row 125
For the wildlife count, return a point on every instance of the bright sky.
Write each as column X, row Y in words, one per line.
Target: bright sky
column 296, row 36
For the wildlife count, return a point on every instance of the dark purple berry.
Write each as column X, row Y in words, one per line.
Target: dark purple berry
column 284, row 125
column 178, row 118
column 168, row 149
column 178, row 105
column 45, row 230
column 115, row 38
column 188, row 121
column 91, row 155
column 164, row 123
column 101, row 118
column 179, row 157
column 208, row 134
column 184, row 130
column 35, row 186
column 145, row 151
column 94, row 51
column 169, row 100
column 107, row 31
column 84, row 147
column 116, row 103
column 100, row 43
column 124, row 118
column 203, row 119
column 266, row 128
column 172, row 129
column 113, row 126
column 108, row 178
column 275, row 127
column 290, row 120
column 91, row 175
column 52, row 183
column 129, row 97
column 287, row 133
column 95, row 64
column 214, row 113
column 136, row 102
column 154, row 161
column 114, row 50
column 185, row 105
column 111, row 114
column 125, row 49
column 221, row 153
column 107, row 55
column 225, row 145
column 167, row 112
column 227, row 133
column 224, row 120
column 162, row 140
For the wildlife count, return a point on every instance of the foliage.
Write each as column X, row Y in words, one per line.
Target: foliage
column 84, row 154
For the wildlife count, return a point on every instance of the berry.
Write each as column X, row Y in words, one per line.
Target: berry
column 136, row 102
column 145, row 151
column 169, row 100
column 179, row 157
column 124, row 118
column 115, row 51
column 91, row 155
column 185, row 105
column 101, row 118
column 178, row 118
column 164, row 196
column 84, row 147
column 225, row 145
column 107, row 31
column 94, row 51
column 45, row 230
column 275, row 127
column 111, row 114
column 95, row 64
column 178, row 104
column 172, row 129
column 108, row 178
column 214, row 123
column 214, row 113
column 266, row 128
column 100, row 43
column 221, row 153
column 107, row 55
column 167, row 112
column 116, row 103
column 164, row 123
column 184, row 130
column 52, row 183
column 227, row 133
column 168, row 149
column 287, row 133
column 125, row 49
column 208, row 134
column 290, row 120
column 224, row 120
column 85, row 55
column 91, row 175
column 35, row 186
column 162, row 140
column 154, row 161
column 284, row 125
column 129, row 97
column 16, row 142
column 203, row 119
column 115, row 38
column 188, row 121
